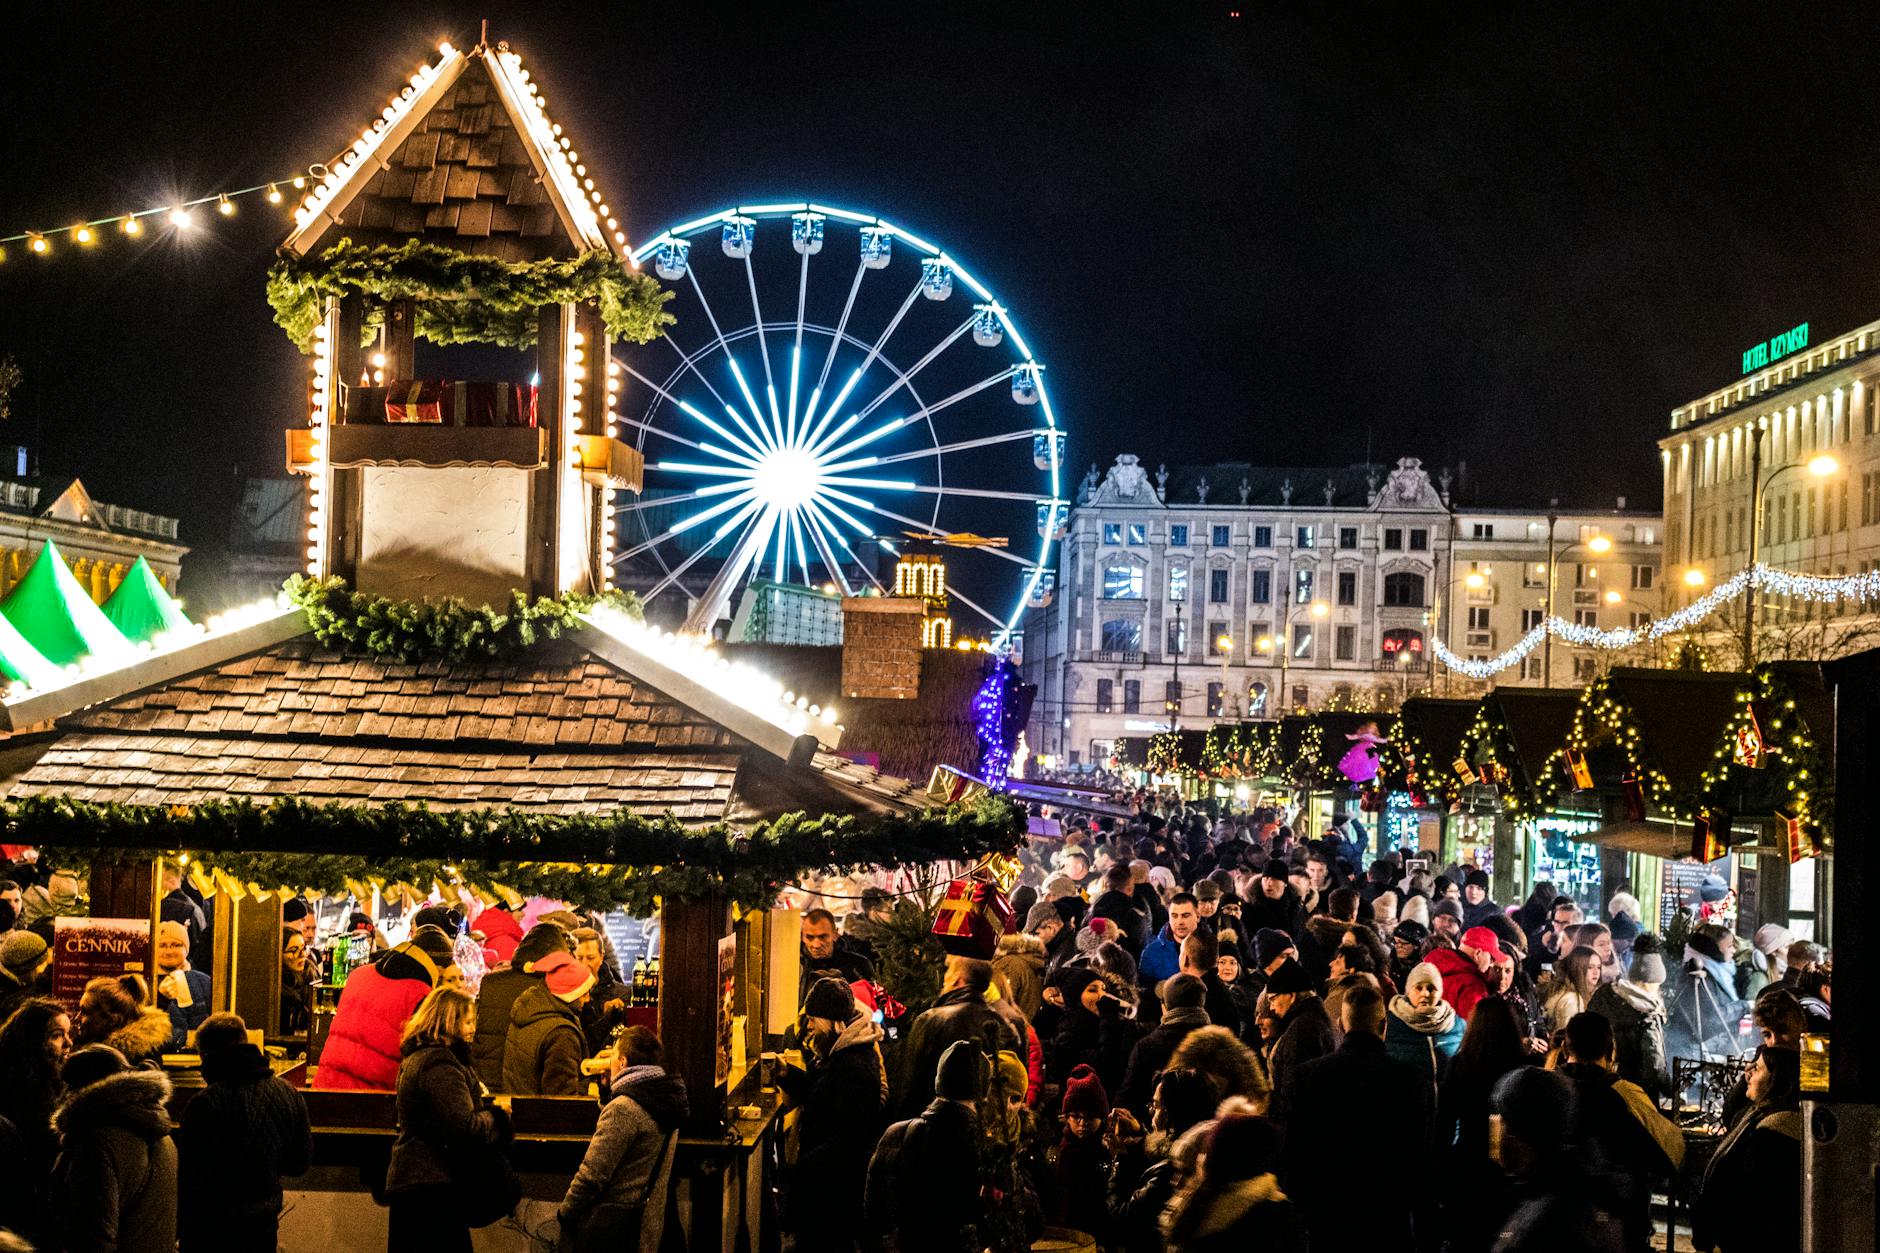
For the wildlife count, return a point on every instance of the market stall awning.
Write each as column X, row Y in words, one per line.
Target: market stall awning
column 1655, row 839
column 1681, row 716
column 56, row 616
column 140, row 609
column 1538, row 720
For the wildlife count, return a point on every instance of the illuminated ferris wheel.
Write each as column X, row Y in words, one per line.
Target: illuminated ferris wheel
column 797, row 426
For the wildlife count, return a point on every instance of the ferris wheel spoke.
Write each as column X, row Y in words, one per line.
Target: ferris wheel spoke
column 661, row 502
column 903, row 379
column 816, row 515
column 681, row 527
column 936, row 450
column 829, row 413
column 927, row 529
column 750, row 454
column 796, row 348
column 763, row 347
column 689, row 364
column 886, row 428
column 680, row 439
column 737, row 374
column 925, row 411
column 835, row 341
column 973, row 605
column 673, row 575
column 820, row 542
column 796, row 539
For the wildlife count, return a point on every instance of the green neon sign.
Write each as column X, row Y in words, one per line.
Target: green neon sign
column 1775, row 348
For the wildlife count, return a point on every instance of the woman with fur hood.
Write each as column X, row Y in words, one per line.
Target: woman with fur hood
column 1236, row 1204
column 1421, row 1027
column 1234, row 1068
column 113, row 1011
column 114, row 1185
column 1021, row 959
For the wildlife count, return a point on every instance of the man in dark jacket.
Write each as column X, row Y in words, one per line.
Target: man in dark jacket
column 1118, row 904
column 114, row 1184
column 241, row 1134
column 822, row 954
column 1305, row 1031
column 498, row 994
column 840, row 1098
column 1477, row 908
column 923, row 1180
column 960, row 1013
column 1556, row 1209
column 543, row 1053
column 1200, row 956
column 1182, row 1012
column 1276, row 906
column 1343, row 1090
column 1618, row 1123
column 606, row 1009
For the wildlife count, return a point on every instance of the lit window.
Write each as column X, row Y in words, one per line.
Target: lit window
column 1178, row 582
column 1112, row 532
column 1122, row 582
column 1178, row 535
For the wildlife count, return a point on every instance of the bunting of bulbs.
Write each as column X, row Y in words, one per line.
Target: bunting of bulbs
column 1812, row 587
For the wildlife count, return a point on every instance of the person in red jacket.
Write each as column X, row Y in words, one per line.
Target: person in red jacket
column 1461, row 968
column 501, row 933
column 362, row 1046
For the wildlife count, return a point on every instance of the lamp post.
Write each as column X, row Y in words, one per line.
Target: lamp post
column 1225, row 643
column 1267, row 643
column 1821, row 467
column 1172, row 706
column 1597, row 544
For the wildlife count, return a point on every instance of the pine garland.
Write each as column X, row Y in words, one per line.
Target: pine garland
column 592, row 861
column 463, row 298
column 404, row 631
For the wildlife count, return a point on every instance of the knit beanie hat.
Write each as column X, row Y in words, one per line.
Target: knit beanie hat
column 1411, row 932
column 1207, row 890
column 436, row 944
column 1269, row 943
column 1536, row 1105
column 1094, row 933
column 1482, row 940
column 1415, row 910
column 829, row 998
column 1183, row 992
column 1277, row 869
column 1422, row 973
column 294, row 909
column 174, row 930
column 1648, row 962
column 1242, row 1146
column 1084, row 1094
column 88, row 1065
column 1476, row 879
column 1011, row 1073
column 961, row 1075
column 538, row 942
column 1772, row 939
column 568, row 980
column 1447, row 908
column 1041, row 913
column 1712, row 890
column 1059, row 886
column 23, row 953
column 1290, row 977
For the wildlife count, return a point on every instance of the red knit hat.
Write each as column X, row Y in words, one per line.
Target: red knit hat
column 1084, row 1094
column 567, row 979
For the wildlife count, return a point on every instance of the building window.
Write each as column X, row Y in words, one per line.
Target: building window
column 1122, row 635
column 1530, row 618
column 1587, row 617
column 1105, row 687
column 1301, row 696
column 1302, row 537
column 1223, row 536
column 1478, row 617
column 1419, row 540
column 1256, row 700
column 1178, row 535
column 1345, row 641
column 1094, row 746
column 1393, row 538
column 1641, row 620
column 1262, row 536
column 1216, row 705
column 1347, row 537
column 1301, row 640
column 1112, row 532
column 1302, row 586
column 1177, row 638
column 1217, row 631
column 1138, row 533
column 1868, row 485
column 1347, row 587
column 1171, row 697
column 1403, row 646
column 1178, row 582
column 1262, row 590
column 1122, row 582
column 1484, row 530
column 1642, row 577
column 1531, row 669
column 1132, row 696
column 1217, row 587
column 1256, row 632
column 1403, row 589
column 1534, row 575
column 1583, row 669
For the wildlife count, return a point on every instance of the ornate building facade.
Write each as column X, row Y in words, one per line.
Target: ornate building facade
column 100, row 541
column 1233, row 591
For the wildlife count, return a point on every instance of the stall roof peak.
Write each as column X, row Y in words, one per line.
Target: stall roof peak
column 465, row 153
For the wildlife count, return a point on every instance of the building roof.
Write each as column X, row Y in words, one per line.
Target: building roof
column 1439, row 727
column 1681, row 717
column 1538, row 720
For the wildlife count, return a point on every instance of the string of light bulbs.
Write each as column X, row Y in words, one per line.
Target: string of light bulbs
column 1811, row 587
column 181, row 216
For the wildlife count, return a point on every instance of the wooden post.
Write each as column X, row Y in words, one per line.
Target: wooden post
column 401, row 319
column 345, row 497
column 556, row 325
column 688, row 1003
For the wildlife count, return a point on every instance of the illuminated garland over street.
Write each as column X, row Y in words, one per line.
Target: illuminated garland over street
column 1811, row 587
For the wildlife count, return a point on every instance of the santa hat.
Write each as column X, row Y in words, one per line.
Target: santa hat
column 1084, row 1094
column 567, row 979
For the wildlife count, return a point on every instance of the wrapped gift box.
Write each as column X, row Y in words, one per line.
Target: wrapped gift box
column 972, row 918
column 446, row 403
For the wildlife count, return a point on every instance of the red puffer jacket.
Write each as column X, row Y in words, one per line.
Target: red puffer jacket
column 1463, row 985
column 362, row 1047
column 501, row 934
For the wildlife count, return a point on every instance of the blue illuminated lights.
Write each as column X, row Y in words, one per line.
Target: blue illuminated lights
column 776, row 459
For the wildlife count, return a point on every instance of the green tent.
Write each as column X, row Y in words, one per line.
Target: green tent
column 21, row 662
column 52, row 611
column 141, row 609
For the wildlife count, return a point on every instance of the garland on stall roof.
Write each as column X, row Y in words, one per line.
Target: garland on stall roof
column 1487, row 749
column 1600, row 718
column 405, row 631
column 593, row 861
column 465, row 298
column 1165, row 753
column 1789, row 752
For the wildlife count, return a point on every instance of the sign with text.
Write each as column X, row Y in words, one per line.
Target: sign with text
column 1775, row 348
column 84, row 949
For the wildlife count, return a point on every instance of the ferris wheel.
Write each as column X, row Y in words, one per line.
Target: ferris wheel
column 796, row 426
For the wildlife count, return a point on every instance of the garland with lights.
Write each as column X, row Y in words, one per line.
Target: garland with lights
column 463, row 298
column 405, row 631
column 1488, row 748
column 87, row 233
column 1811, row 587
column 1165, row 753
column 592, row 861
column 1247, row 751
column 1601, row 719
column 999, row 711
column 1789, row 753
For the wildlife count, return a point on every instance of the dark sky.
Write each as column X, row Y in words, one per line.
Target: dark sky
column 1517, row 242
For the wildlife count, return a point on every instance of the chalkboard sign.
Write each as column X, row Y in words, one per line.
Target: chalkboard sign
column 1680, row 879
column 84, row 949
column 634, row 939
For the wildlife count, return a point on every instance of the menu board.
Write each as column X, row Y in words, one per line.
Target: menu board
column 1679, row 880
column 84, row 949
column 633, row 938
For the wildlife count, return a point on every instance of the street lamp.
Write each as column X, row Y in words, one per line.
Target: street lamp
column 1283, row 642
column 1225, row 644
column 1695, row 577
column 1596, row 544
column 1821, row 466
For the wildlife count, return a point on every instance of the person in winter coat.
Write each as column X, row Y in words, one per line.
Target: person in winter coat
column 1080, row 1163
column 1242, row 989
column 1324, row 933
column 1236, row 1203
column 114, row 1185
column 497, row 994
column 1764, row 962
column 1092, row 1030
column 1635, row 1006
column 1343, row 1090
column 547, row 1044
column 1555, row 1210
column 1635, row 1147
column 1475, row 1192
column 1182, row 1012
column 1275, row 905
column 34, row 1043
column 1708, row 1009
column 113, row 1011
column 442, row 1113
column 296, row 983
column 1406, row 949
column 240, row 1135
column 959, row 1013
column 1622, row 914
column 923, row 1179
column 1477, row 908
column 1461, row 969
column 617, row 1199
column 1021, row 959
column 1162, row 956
column 1117, row 902
column 841, row 1096
column 1423, row 1029
column 606, row 1007
column 1142, row 1183
column 182, row 993
column 1233, row 1068
column 25, row 970
column 363, row 1046
column 501, row 934
column 1751, row 1194
column 1305, row 1032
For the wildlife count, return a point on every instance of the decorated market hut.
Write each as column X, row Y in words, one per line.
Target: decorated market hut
column 1502, row 823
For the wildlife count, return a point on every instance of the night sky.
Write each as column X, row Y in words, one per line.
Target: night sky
column 1515, row 243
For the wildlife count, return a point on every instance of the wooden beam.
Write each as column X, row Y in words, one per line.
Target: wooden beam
column 688, row 1002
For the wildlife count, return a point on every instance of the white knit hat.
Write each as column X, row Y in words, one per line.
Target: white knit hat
column 1423, row 972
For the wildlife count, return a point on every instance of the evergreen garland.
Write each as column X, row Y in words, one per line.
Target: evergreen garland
column 405, row 631
column 463, row 298
column 589, row 860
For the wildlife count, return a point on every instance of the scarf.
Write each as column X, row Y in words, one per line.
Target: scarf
column 1188, row 1015
column 1644, row 997
column 1435, row 1020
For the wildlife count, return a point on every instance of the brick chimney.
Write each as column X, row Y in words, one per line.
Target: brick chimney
column 881, row 647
